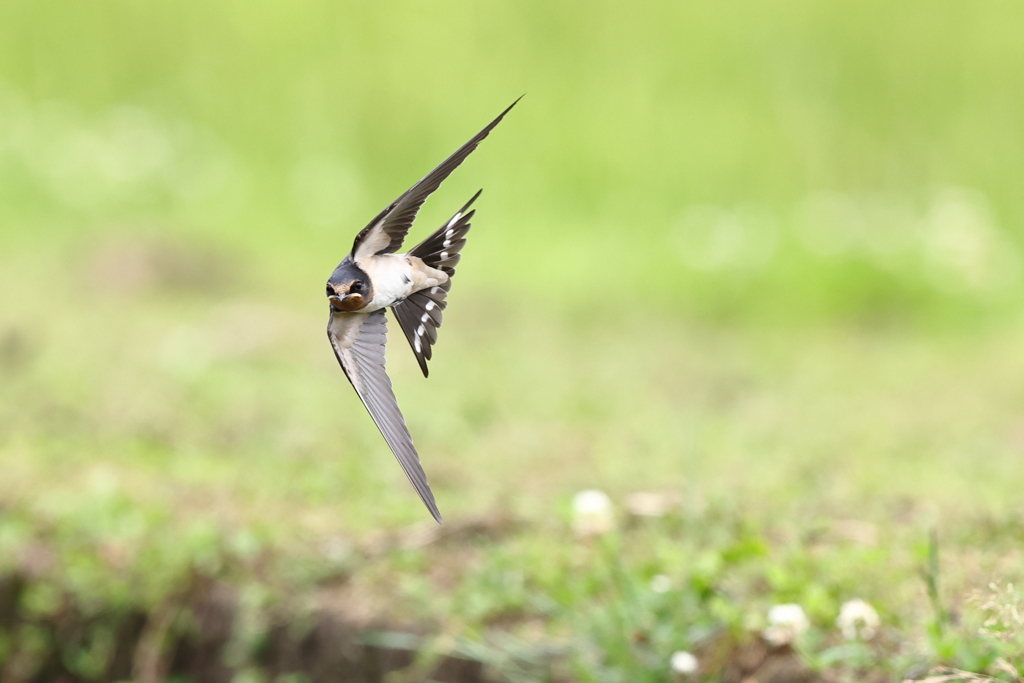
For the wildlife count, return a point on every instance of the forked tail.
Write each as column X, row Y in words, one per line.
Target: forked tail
column 420, row 314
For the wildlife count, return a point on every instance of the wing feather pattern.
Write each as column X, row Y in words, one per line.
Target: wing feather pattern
column 386, row 232
column 420, row 314
column 359, row 341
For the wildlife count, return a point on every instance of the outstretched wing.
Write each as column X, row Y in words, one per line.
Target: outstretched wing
column 358, row 340
column 420, row 314
column 386, row 232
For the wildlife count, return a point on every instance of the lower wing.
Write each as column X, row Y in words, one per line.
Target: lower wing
column 359, row 341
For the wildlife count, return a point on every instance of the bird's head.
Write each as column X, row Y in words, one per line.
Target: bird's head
column 349, row 288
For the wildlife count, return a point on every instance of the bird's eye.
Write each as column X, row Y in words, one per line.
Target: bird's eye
column 356, row 286
column 330, row 290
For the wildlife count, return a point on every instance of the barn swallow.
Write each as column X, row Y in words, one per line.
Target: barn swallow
column 414, row 284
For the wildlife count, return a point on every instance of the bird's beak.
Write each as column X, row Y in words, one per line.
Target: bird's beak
column 347, row 303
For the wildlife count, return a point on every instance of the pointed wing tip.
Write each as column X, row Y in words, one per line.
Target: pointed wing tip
column 427, row 496
column 507, row 110
column 428, row 502
column 471, row 200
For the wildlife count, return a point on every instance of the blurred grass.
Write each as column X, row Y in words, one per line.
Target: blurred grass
column 306, row 116
column 766, row 256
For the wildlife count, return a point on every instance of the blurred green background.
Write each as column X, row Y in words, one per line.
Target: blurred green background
column 763, row 257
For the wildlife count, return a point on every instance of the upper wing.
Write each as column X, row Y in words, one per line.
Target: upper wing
column 420, row 314
column 385, row 233
column 358, row 340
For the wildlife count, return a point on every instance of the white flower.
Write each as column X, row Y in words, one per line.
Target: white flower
column 787, row 623
column 660, row 583
column 592, row 513
column 684, row 663
column 858, row 620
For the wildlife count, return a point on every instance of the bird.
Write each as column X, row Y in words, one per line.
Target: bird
column 373, row 277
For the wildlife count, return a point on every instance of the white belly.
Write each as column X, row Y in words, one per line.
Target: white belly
column 391, row 275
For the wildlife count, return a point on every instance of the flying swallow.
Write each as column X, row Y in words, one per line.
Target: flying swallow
column 414, row 284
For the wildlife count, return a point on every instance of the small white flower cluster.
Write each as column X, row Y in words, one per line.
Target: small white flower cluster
column 857, row 619
column 592, row 513
column 785, row 624
column 683, row 663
